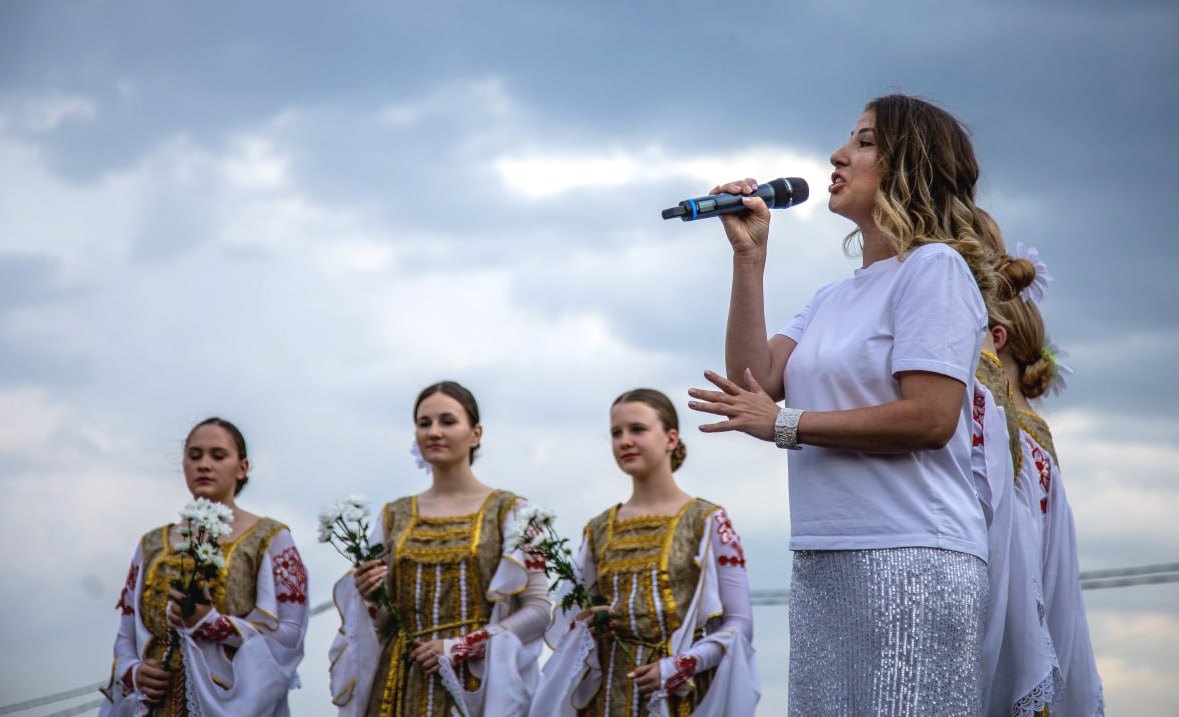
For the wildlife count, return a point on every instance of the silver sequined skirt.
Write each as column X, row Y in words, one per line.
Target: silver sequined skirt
column 894, row 632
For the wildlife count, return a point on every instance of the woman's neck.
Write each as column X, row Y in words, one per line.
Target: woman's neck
column 1011, row 370
column 454, row 480
column 875, row 247
column 655, row 493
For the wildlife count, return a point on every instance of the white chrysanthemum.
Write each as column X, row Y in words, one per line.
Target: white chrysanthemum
column 222, row 512
column 1038, row 288
column 218, row 560
column 205, row 552
column 325, row 533
column 184, row 530
column 330, row 514
column 217, row 529
column 540, row 517
column 358, row 501
column 182, row 546
column 355, row 515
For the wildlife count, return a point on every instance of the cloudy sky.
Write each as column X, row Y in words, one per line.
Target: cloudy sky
column 297, row 215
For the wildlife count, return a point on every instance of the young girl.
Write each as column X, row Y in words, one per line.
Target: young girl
column 238, row 653
column 672, row 572
column 1032, row 370
column 474, row 609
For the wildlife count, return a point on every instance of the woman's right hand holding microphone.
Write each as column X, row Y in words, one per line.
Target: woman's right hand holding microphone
column 748, row 231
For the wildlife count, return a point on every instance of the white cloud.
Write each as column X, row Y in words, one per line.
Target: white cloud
column 544, row 172
column 39, row 419
column 47, row 111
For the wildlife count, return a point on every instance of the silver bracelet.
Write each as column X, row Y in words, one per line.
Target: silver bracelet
column 786, row 428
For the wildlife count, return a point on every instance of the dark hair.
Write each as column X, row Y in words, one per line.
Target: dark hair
column 239, row 441
column 665, row 409
column 458, row 392
column 928, row 177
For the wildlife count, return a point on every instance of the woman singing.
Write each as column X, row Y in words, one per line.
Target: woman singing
column 889, row 582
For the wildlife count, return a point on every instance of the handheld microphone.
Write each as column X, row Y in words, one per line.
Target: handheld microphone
column 778, row 194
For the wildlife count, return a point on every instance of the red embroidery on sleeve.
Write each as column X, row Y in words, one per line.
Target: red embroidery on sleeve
column 979, row 410
column 470, row 646
column 534, row 561
column 729, row 537
column 217, row 630
column 685, row 668
column 290, row 577
column 1043, row 465
column 126, row 598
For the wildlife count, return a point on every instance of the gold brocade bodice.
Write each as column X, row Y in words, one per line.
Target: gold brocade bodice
column 440, row 568
column 647, row 572
column 647, row 568
column 233, row 589
column 990, row 374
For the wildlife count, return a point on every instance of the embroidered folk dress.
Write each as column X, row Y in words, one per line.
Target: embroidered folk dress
column 1019, row 665
column 1081, row 693
column 241, row 657
column 679, row 594
column 451, row 578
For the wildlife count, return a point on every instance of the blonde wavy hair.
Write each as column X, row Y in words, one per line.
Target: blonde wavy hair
column 928, row 178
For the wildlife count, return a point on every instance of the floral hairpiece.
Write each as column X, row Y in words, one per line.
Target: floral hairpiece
column 419, row 459
column 1054, row 353
column 1034, row 292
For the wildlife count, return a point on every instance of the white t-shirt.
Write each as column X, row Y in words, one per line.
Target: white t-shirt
column 924, row 313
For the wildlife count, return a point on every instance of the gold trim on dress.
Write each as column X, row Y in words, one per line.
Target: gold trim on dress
column 349, row 688
column 1037, row 428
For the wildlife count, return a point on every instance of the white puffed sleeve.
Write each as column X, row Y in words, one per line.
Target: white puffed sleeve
column 573, row 673
column 247, row 665
column 504, row 653
column 723, row 589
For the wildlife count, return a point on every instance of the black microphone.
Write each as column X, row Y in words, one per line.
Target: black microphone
column 778, row 194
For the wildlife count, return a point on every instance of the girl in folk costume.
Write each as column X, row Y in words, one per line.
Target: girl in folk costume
column 671, row 571
column 1019, row 665
column 470, row 611
column 1032, row 369
column 238, row 653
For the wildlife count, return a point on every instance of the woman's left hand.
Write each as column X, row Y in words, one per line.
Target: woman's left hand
column 646, row 677
column 428, row 655
column 176, row 620
column 749, row 410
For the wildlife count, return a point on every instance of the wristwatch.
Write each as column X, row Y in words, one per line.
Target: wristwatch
column 786, row 429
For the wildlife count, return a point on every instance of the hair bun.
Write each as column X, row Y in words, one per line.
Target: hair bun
column 678, row 455
column 1037, row 376
column 1019, row 273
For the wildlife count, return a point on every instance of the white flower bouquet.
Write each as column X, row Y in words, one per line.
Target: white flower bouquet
column 202, row 525
column 533, row 532
column 344, row 526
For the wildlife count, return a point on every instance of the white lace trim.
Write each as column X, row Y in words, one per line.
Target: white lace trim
column 1042, row 695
